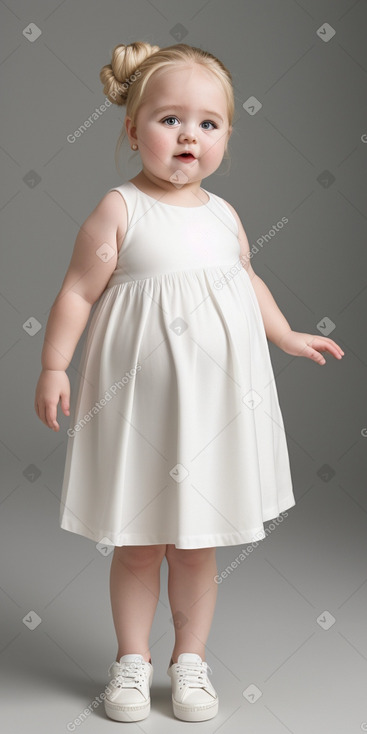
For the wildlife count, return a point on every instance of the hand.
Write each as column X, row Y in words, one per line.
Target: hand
column 52, row 385
column 309, row 345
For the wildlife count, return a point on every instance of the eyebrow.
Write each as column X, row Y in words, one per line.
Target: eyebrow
column 180, row 107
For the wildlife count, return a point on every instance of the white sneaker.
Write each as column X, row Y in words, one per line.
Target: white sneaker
column 193, row 696
column 128, row 693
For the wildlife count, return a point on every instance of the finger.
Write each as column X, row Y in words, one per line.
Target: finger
column 313, row 354
column 330, row 343
column 65, row 406
column 51, row 413
column 337, row 346
column 324, row 344
column 338, row 349
column 42, row 413
column 333, row 349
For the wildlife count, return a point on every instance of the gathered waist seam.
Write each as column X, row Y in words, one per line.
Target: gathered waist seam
column 185, row 271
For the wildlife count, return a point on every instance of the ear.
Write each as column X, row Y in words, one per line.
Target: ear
column 131, row 130
column 229, row 133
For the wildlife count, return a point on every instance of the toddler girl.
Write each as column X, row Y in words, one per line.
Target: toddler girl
column 176, row 442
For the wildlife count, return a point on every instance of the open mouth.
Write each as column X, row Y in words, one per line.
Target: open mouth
column 186, row 157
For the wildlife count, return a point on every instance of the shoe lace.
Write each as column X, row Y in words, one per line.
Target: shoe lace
column 129, row 675
column 193, row 674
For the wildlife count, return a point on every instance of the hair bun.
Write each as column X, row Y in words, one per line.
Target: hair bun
column 125, row 60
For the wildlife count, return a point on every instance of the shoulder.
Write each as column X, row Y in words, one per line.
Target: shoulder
column 111, row 207
column 232, row 209
column 242, row 238
column 112, row 210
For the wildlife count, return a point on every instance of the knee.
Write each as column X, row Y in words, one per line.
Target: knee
column 140, row 556
column 189, row 556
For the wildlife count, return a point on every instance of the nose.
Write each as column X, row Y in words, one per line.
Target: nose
column 187, row 135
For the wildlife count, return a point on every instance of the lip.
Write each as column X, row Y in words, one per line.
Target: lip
column 188, row 157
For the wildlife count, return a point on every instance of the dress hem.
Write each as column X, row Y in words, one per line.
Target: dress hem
column 184, row 542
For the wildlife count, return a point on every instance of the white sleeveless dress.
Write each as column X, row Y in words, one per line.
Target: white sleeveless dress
column 176, row 433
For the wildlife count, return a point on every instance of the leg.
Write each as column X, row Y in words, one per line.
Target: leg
column 134, row 588
column 192, row 594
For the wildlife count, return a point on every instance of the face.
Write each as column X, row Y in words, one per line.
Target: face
column 194, row 118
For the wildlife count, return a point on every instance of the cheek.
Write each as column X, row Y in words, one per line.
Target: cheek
column 156, row 143
column 161, row 143
column 156, row 137
column 216, row 149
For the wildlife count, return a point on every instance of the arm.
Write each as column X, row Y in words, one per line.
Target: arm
column 277, row 328
column 275, row 323
column 85, row 280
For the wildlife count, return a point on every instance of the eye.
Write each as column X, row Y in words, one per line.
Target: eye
column 206, row 122
column 210, row 123
column 172, row 117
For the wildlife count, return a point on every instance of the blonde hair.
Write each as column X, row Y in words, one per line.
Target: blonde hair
column 126, row 77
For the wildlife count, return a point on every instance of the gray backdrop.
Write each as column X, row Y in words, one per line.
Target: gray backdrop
column 288, row 645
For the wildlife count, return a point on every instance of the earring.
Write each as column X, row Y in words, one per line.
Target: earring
column 134, row 146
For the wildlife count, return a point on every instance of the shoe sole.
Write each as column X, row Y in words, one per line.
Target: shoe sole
column 117, row 712
column 194, row 713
